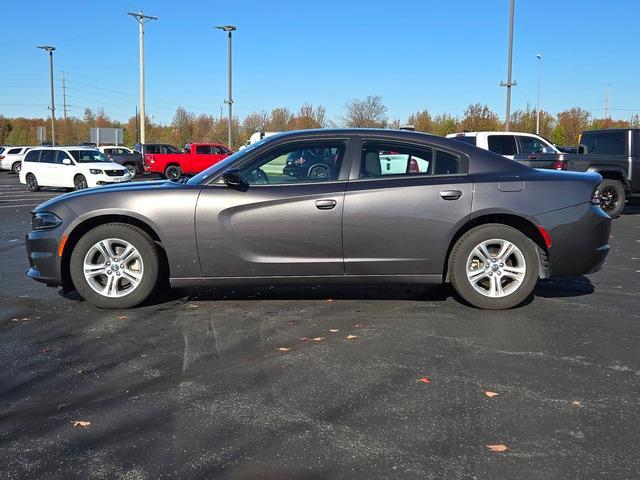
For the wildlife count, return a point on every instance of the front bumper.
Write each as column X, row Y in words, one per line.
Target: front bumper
column 42, row 252
column 580, row 239
column 102, row 179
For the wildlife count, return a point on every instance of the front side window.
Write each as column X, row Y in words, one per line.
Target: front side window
column 532, row 145
column 32, row 156
column 88, row 156
column 502, row 144
column 60, row 156
column 299, row 163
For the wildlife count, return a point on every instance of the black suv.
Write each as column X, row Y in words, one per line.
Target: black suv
column 315, row 163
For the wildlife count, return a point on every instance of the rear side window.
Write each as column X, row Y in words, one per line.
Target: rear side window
column 153, row 149
column 380, row 160
column 203, row 149
column 14, row 151
column 48, row 156
column 604, row 143
column 32, row 156
column 502, row 144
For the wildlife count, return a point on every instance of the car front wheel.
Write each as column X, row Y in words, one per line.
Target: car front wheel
column 115, row 265
column 494, row 267
column 79, row 182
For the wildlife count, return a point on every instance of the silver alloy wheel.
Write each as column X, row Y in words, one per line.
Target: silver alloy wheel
column 496, row 268
column 113, row 267
column 132, row 170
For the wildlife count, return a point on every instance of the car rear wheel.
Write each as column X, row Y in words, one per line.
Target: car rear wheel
column 79, row 182
column 173, row 172
column 115, row 265
column 612, row 197
column 16, row 167
column 132, row 169
column 32, row 183
column 494, row 267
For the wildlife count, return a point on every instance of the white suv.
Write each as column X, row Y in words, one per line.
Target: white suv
column 11, row 158
column 70, row 167
column 506, row 143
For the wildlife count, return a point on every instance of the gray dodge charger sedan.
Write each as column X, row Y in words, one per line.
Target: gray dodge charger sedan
column 328, row 206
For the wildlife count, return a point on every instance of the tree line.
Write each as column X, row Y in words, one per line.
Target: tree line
column 369, row 112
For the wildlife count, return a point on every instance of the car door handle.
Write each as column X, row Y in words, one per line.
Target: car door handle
column 451, row 194
column 325, row 204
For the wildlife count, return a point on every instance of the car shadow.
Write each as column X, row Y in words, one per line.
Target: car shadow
column 564, row 287
column 632, row 207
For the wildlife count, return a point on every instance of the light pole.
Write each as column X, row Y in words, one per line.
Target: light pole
column 50, row 49
column 539, row 57
column 142, row 19
column 509, row 83
column 229, row 101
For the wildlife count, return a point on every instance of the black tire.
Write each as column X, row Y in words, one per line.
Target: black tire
column 79, row 182
column 132, row 169
column 16, row 167
column 612, row 197
column 318, row 172
column 173, row 172
column 32, row 183
column 140, row 240
column 460, row 255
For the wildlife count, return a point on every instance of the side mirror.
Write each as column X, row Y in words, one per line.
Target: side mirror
column 66, row 161
column 233, row 178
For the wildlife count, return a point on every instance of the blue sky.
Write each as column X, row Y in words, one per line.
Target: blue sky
column 439, row 55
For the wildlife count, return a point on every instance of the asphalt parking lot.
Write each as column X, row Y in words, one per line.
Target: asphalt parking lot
column 319, row 382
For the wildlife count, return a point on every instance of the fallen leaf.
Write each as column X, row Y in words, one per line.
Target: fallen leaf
column 317, row 339
column 499, row 447
column 304, row 339
column 490, row 394
column 351, row 337
column 283, row 349
column 122, row 317
column 81, row 423
column 576, row 403
column 334, row 330
column 424, row 380
column 358, row 325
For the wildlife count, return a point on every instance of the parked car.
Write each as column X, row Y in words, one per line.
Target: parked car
column 489, row 226
column 256, row 137
column 195, row 158
column 126, row 157
column 613, row 153
column 11, row 158
column 69, row 167
column 147, row 148
column 506, row 144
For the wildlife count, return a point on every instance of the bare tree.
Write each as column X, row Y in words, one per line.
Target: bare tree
column 366, row 113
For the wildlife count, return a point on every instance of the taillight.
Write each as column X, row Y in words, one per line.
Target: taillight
column 560, row 165
column 413, row 166
column 1, row 157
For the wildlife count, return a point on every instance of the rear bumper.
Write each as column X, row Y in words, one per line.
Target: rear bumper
column 580, row 239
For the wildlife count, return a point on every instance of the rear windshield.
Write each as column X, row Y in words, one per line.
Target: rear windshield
column 604, row 143
column 88, row 156
column 469, row 140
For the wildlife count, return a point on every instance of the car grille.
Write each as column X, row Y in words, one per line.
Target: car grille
column 115, row 173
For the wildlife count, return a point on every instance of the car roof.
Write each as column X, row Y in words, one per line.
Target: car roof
column 62, row 147
column 492, row 132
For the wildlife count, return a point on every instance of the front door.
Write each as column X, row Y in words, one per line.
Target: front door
column 281, row 223
column 402, row 212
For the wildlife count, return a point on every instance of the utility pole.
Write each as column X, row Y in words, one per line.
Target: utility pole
column 141, row 19
column 509, row 83
column 137, row 127
column 539, row 57
column 64, row 98
column 50, row 49
column 606, row 103
column 229, row 101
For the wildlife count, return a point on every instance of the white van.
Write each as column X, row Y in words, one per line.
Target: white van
column 506, row 144
column 69, row 167
column 11, row 158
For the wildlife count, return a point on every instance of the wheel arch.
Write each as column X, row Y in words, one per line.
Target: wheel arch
column 84, row 226
column 523, row 225
column 612, row 173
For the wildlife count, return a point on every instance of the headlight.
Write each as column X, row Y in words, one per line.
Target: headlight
column 95, row 171
column 43, row 220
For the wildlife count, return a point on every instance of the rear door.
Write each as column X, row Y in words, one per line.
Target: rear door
column 402, row 223
column 504, row 145
column 278, row 224
column 45, row 170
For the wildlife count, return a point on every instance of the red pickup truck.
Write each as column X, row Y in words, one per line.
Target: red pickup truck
column 195, row 158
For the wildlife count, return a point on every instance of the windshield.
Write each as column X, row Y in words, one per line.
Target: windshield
column 222, row 165
column 88, row 156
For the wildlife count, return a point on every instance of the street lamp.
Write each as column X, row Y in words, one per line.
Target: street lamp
column 229, row 101
column 539, row 57
column 52, row 107
column 509, row 83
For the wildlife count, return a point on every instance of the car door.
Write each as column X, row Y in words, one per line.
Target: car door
column 402, row 223
column 276, row 224
column 45, row 170
column 504, row 145
column 64, row 172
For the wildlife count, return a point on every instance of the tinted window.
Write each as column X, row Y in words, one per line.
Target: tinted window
column 168, row 149
column 604, row 143
column 502, row 144
column 32, row 156
column 531, row 144
column 203, row 149
column 89, row 156
column 153, row 149
column 48, row 156
column 386, row 159
column 217, row 151
column 302, row 162
column 447, row 163
column 60, row 156
column 14, row 151
column 469, row 140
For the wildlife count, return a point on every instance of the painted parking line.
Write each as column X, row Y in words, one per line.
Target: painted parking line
column 19, row 206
